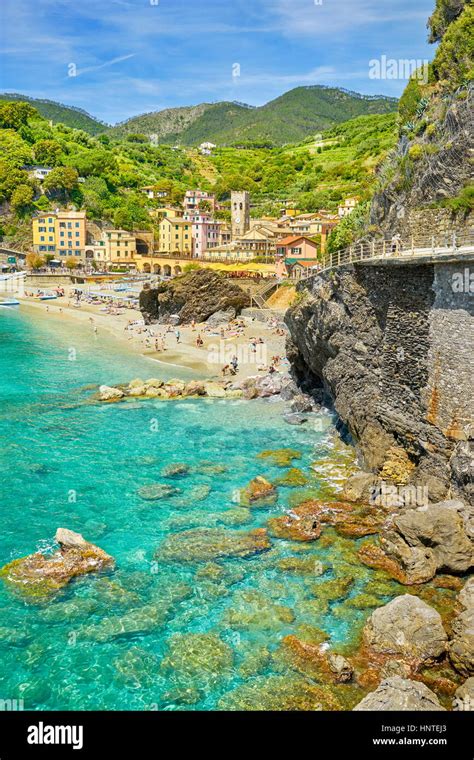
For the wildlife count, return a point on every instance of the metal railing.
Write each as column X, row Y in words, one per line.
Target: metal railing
column 419, row 247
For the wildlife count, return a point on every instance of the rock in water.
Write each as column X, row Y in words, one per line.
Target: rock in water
column 430, row 539
column 38, row 576
column 195, row 295
column 461, row 647
column 156, row 491
column 204, row 544
column 110, row 394
column 408, row 627
column 400, row 694
column 259, row 493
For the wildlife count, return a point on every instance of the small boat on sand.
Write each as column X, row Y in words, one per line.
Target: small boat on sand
column 9, row 302
column 48, row 297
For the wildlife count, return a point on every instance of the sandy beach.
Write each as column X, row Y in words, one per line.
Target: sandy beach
column 255, row 344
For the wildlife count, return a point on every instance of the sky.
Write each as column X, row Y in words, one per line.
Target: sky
column 119, row 58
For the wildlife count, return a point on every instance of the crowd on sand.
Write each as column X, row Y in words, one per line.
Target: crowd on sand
column 245, row 345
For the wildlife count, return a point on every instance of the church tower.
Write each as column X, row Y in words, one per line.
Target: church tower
column 240, row 206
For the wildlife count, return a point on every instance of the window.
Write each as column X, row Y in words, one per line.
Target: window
column 77, row 224
column 69, row 225
column 62, row 224
column 61, row 234
column 42, row 237
column 50, row 229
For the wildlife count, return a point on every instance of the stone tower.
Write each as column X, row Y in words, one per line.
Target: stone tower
column 240, row 206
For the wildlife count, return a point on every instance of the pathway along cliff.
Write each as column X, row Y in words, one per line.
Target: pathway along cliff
column 392, row 348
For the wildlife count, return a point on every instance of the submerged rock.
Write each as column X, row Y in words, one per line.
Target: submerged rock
column 156, row 491
column 280, row 457
column 304, row 522
column 136, row 668
column 281, row 693
column 258, row 493
column 38, row 575
column 204, row 544
column 175, row 470
column 397, row 693
column 408, row 627
column 461, row 647
column 293, row 478
column 200, row 658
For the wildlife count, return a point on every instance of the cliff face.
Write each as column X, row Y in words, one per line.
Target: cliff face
column 196, row 295
column 392, row 345
column 432, row 164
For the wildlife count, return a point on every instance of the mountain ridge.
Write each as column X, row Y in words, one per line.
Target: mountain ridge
column 288, row 118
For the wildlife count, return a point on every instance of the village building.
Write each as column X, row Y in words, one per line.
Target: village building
column 347, row 207
column 198, row 200
column 60, row 233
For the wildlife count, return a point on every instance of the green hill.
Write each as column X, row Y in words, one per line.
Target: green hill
column 60, row 114
column 289, row 118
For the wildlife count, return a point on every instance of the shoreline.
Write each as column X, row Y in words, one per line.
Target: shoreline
column 207, row 361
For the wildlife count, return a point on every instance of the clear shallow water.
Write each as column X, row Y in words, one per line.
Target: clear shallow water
column 65, row 462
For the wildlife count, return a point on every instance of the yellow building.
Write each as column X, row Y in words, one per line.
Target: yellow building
column 60, row 233
column 176, row 236
column 121, row 247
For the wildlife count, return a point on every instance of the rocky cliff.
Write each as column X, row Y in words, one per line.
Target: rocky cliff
column 392, row 347
column 195, row 295
column 432, row 163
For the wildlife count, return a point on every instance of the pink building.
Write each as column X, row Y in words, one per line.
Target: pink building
column 193, row 198
column 205, row 232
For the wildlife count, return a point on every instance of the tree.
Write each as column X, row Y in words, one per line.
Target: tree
column 14, row 114
column 22, row 198
column 61, row 181
column 445, row 13
column 10, row 178
column 48, row 257
column 71, row 263
column 34, row 261
column 48, row 152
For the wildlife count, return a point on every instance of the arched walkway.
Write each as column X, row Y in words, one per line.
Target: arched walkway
column 156, row 269
column 167, row 270
column 177, row 270
column 147, row 268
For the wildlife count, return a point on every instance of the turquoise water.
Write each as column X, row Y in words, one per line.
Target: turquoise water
column 66, row 462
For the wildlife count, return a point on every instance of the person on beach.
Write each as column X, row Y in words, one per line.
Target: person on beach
column 225, row 369
column 199, row 341
column 235, row 363
column 193, row 325
column 178, row 336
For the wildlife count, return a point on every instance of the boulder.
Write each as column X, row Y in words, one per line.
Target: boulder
column 295, row 418
column 400, row 694
column 269, row 385
column 441, row 528
column 464, row 696
column 137, row 391
column 221, row 317
column 341, row 667
column 407, row 627
column 195, row 295
column 302, row 403
column 38, row 575
column 214, row 390
column 107, row 393
column 259, row 492
column 461, row 646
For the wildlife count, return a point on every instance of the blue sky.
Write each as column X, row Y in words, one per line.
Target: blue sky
column 134, row 56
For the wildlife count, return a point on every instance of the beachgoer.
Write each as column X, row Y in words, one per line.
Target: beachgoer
column 234, row 362
column 178, row 335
